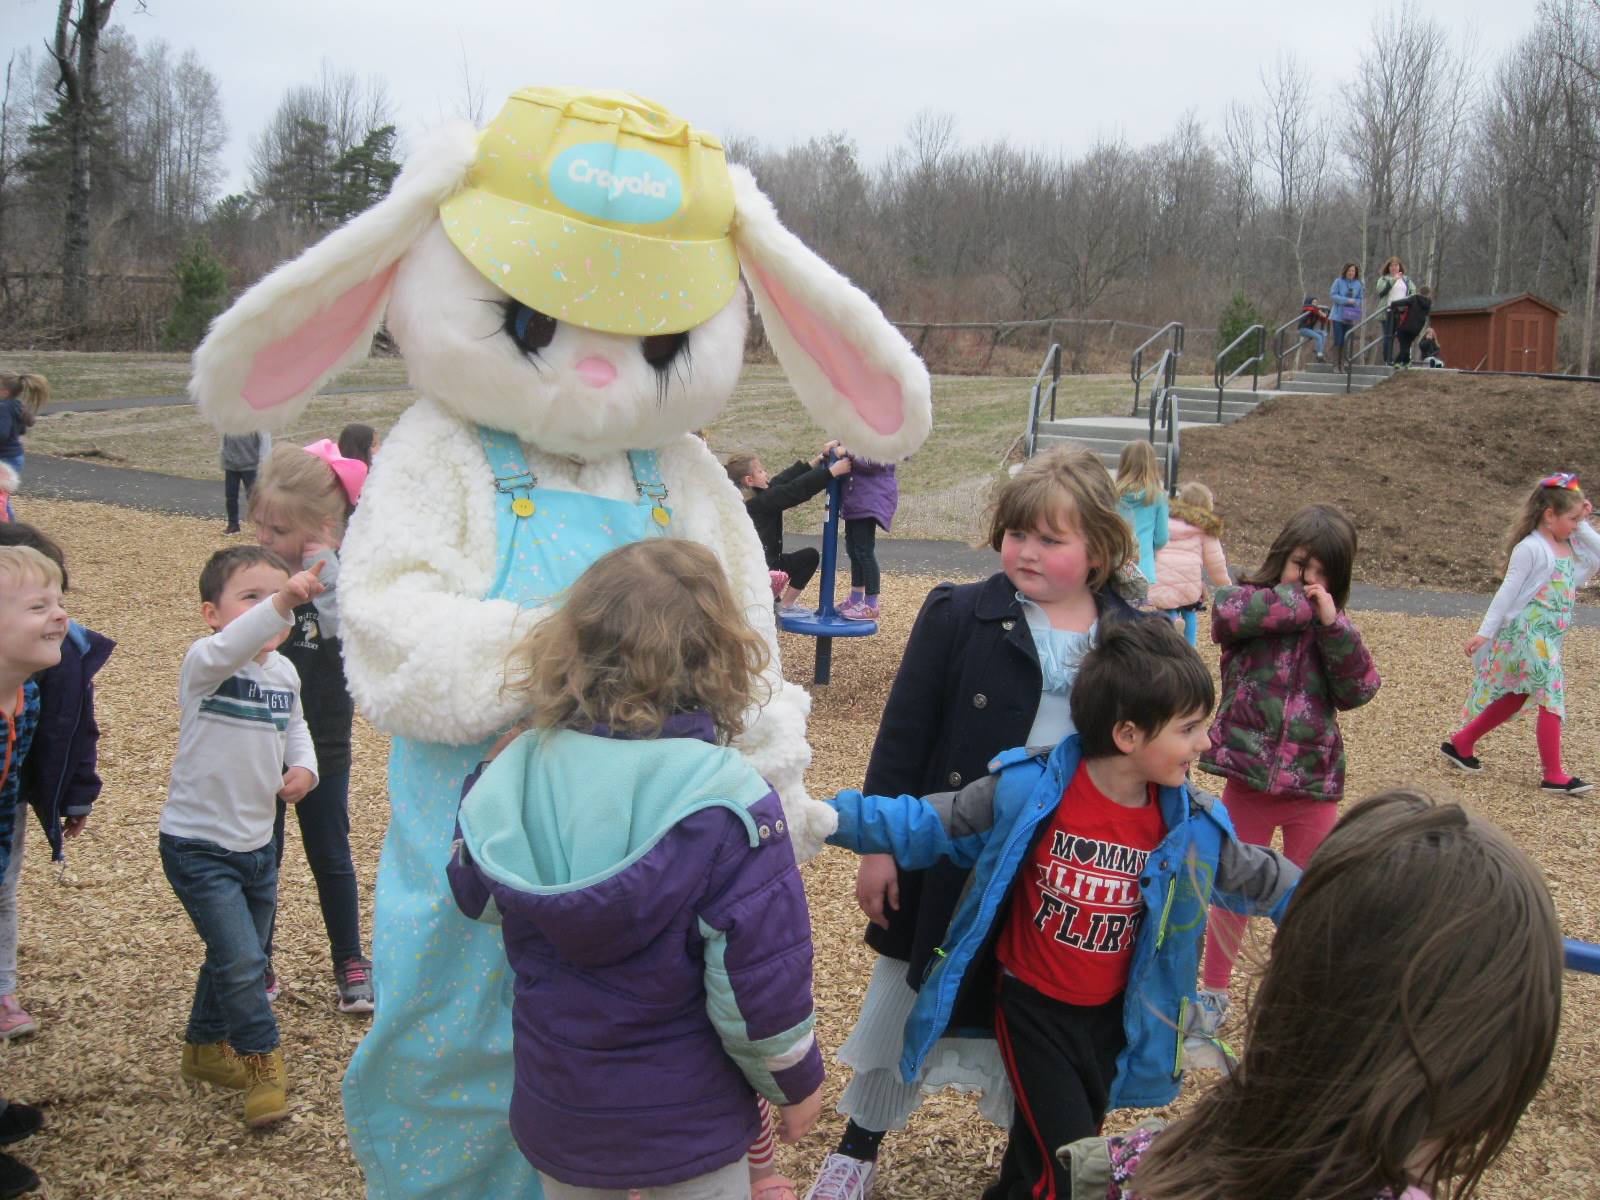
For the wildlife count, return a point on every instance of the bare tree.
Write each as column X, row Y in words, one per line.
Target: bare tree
column 75, row 49
column 1294, row 152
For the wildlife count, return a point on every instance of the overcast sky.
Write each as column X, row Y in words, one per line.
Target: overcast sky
column 1050, row 73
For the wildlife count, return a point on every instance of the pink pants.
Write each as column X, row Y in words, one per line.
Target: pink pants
column 1255, row 816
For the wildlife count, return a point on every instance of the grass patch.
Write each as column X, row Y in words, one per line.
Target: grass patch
column 944, row 486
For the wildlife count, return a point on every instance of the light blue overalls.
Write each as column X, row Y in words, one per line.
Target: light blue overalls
column 427, row 1094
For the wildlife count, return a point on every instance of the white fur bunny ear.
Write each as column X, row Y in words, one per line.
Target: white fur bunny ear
column 854, row 372
column 267, row 355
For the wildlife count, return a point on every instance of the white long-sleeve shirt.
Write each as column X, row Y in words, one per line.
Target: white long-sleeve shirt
column 241, row 728
column 1532, row 563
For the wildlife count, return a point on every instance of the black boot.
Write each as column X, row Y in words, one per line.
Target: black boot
column 18, row 1121
column 16, row 1177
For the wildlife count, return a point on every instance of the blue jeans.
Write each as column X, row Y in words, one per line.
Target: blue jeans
column 230, row 896
column 1318, row 338
column 324, row 819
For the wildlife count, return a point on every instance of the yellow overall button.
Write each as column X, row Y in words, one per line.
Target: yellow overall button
column 522, row 506
column 661, row 515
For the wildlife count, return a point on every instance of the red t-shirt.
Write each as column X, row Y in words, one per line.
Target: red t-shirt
column 1076, row 907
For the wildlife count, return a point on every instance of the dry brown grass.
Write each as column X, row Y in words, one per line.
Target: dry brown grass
column 108, row 957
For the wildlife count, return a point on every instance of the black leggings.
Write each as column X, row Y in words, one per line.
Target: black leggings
column 860, row 543
column 801, row 565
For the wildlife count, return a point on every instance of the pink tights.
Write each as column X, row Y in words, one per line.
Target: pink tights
column 1256, row 815
column 1546, row 733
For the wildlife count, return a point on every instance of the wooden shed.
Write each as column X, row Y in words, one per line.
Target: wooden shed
column 1515, row 331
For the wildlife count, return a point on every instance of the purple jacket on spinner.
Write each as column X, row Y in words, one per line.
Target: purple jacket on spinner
column 1285, row 677
column 656, row 923
column 871, row 491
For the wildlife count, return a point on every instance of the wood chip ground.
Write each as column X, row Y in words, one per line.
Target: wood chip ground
column 108, row 957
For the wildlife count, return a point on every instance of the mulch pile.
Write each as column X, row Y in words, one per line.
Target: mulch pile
column 1430, row 465
column 108, row 957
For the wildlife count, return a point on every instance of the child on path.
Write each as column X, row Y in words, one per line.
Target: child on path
column 647, row 888
column 22, row 399
column 1551, row 551
column 242, row 740
column 1142, row 501
column 1345, row 297
column 1404, row 1024
column 300, row 507
column 988, row 666
column 242, row 456
column 1093, row 867
column 871, row 495
column 1292, row 660
column 1192, row 556
column 59, row 778
column 32, row 627
column 766, row 498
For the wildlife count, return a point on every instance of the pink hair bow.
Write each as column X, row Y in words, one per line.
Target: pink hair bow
column 1561, row 479
column 351, row 472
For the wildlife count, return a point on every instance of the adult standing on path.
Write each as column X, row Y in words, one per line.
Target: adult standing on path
column 242, row 456
column 1345, row 297
column 1393, row 287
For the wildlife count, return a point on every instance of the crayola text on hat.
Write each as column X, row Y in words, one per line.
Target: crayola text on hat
column 601, row 209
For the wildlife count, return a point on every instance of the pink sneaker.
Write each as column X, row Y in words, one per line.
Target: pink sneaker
column 780, row 580
column 859, row 611
column 14, row 1020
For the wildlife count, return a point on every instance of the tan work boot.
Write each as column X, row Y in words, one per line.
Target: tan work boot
column 265, row 1095
column 213, row 1062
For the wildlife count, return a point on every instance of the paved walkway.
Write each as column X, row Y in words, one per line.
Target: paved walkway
column 82, row 479
column 116, row 402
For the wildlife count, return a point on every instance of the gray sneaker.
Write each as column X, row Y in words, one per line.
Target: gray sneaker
column 354, row 977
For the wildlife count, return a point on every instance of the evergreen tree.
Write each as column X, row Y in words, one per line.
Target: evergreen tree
column 1240, row 314
column 202, row 294
column 363, row 174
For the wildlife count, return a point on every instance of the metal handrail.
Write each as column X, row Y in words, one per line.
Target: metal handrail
column 1173, row 328
column 1280, row 352
column 1166, row 373
column 1169, row 412
column 1352, row 357
column 1052, row 367
column 1221, row 381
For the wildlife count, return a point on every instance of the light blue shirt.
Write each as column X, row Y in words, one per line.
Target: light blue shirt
column 1060, row 651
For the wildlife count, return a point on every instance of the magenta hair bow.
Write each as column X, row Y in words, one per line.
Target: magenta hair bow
column 1561, row 479
column 351, row 472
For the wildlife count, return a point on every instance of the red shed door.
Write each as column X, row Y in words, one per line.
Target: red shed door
column 1522, row 346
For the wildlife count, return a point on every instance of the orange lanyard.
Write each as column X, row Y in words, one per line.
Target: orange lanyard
column 11, row 733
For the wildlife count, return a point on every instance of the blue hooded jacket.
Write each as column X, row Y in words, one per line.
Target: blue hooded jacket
column 991, row 825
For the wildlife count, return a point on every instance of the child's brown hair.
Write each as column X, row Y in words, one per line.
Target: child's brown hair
column 34, row 391
column 1323, row 532
column 1562, row 497
column 300, row 490
column 1406, row 1018
column 738, row 467
column 651, row 629
column 1138, row 472
column 1066, row 487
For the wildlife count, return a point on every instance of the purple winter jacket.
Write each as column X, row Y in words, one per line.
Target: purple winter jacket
column 656, row 923
column 870, row 491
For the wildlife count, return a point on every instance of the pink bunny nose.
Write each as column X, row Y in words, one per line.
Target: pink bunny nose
column 596, row 372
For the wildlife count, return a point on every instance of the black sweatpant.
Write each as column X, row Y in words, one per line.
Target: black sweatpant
column 861, row 544
column 1061, row 1059
column 801, row 565
column 231, row 481
column 1403, row 359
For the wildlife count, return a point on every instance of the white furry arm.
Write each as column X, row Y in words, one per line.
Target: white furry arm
column 775, row 742
column 424, row 654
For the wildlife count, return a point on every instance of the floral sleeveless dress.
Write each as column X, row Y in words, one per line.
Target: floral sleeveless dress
column 1525, row 657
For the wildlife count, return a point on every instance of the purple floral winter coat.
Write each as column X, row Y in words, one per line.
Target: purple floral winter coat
column 1285, row 676
column 870, row 491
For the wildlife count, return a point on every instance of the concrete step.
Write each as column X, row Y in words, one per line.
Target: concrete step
column 1232, row 395
column 1378, row 371
column 1358, row 383
column 1308, row 387
column 1115, row 429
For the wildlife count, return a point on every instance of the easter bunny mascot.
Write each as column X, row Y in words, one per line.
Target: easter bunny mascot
column 565, row 288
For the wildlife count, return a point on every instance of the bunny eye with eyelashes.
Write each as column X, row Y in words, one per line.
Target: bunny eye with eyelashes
column 529, row 328
column 660, row 349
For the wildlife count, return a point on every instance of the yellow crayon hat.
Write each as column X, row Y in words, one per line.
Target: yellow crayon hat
column 601, row 209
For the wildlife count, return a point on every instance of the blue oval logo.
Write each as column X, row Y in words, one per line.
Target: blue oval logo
column 629, row 187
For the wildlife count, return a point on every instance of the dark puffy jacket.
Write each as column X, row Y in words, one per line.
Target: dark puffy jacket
column 1285, row 676
column 656, row 923
column 59, row 777
column 791, row 486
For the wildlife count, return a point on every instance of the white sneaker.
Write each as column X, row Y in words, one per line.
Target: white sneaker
column 1211, row 1010
column 843, row 1178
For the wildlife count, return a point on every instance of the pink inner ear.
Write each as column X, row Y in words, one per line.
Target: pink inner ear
column 876, row 395
column 290, row 365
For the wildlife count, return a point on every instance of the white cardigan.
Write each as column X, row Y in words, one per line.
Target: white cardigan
column 1532, row 563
